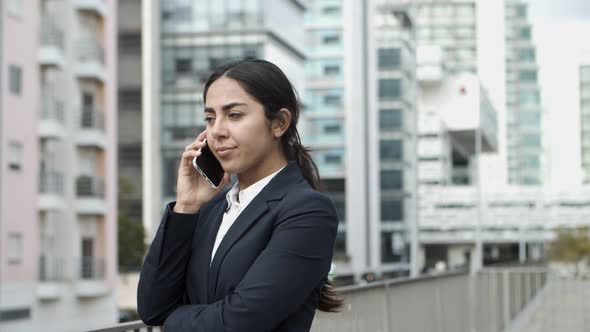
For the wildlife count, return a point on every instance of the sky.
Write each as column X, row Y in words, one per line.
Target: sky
column 561, row 30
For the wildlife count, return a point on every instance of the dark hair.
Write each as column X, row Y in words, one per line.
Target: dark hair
column 267, row 83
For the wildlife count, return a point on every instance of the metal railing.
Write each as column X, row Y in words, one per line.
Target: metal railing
column 457, row 301
column 51, row 33
column 91, row 119
column 52, row 109
column 89, row 50
column 90, row 186
column 51, row 182
column 91, row 268
column 51, row 268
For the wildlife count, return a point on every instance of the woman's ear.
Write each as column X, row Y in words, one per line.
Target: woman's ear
column 281, row 123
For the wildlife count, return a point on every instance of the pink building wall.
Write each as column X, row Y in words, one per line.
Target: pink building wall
column 19, row 122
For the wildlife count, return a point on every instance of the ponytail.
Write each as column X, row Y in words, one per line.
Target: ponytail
column 329, row 300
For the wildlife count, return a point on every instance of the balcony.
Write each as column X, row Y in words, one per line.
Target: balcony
column 51, row 190
column 90, row 60
column 90, row 192
column 92, row 128
column 52, row 124
column 51, row 52
column 91, row 281
column 96, row 7
column 51, row 273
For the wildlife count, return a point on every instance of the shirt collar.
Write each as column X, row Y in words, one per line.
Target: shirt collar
column 248, row 194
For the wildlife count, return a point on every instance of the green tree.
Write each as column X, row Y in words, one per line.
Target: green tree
column 572, row 246
column 131, row 234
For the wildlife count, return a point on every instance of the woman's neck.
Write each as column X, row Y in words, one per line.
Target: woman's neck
column 255, row 174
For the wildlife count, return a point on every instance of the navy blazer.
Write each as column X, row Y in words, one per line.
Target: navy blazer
column 266, row 274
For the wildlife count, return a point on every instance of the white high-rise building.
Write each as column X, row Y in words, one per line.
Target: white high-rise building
column 58, row 261
column 585, row 119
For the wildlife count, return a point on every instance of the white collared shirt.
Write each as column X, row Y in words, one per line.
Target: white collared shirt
column 237, row 201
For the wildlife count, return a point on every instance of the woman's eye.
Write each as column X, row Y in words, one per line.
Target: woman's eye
column 234, row 115
column 208, row 119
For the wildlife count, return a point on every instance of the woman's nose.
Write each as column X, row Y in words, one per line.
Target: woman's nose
column 218, row 129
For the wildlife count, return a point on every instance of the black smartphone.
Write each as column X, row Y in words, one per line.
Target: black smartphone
column 208, row 166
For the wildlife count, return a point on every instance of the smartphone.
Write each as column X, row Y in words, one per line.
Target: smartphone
column 208, row 166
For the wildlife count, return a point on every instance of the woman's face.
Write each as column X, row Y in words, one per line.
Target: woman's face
column 238, row 132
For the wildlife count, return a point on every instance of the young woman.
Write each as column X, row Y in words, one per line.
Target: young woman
column 253, row 257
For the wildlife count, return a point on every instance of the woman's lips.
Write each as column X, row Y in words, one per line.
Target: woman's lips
column 224, row 152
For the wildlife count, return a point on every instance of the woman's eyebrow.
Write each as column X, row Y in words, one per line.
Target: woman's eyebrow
column 225, row 108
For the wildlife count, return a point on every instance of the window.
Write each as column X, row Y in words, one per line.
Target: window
column 531, row 140
column 130, row 43
column 392, row 247
column 16, row 8
column 15, row 156
column 390, row 88
column 333, row 159
column 524, row 33
column 130, row 99
column 521, row 11
column 527, row 75
column 333, row 100
column 531, row 162
column 331, row 40
column 331, row 10
column 331, row 70
column 390, row 119
column 528, row 99
column 15, row 79
column 332, row 129
column 526, row 54
column 391, row 179
column 391, row 149
column 392, row 209
column 340, row 245
column 389, row 58
column 14, row 250
column 529, row 119
column 183, row 66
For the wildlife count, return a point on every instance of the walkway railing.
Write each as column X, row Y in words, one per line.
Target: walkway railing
column 457, row 301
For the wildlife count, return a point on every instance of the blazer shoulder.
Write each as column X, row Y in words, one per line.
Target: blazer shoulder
column 304, row 197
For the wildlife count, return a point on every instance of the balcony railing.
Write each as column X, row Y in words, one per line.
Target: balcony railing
column 90, row 51
column 51, row 182
column 51, row 33
column 488, row 301
column 52, row 109
column 91, row 119
column 89, row 186
column 51, row 268
column 91, row 268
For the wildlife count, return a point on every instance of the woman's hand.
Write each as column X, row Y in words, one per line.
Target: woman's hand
column 192, row 190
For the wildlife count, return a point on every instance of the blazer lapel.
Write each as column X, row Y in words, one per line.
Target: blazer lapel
column 214, row 221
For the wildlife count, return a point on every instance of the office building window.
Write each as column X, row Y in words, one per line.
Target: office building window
column 389, row 58
column 331, row 10
column 334, row 128
column 129, row 43
column 392, row 209
column 183, row 66
column 390, row 119
column 333, row 159
column 15, row 156
column 390, row 88
column 15, row 79
column 393, row 247
column 391, row 150
column 391, row 179
column 130, row 99
column 528, row 99
column 14, row 248
column 531, row 140
column 524, row 33
column 529, row 119
column 331, row 40
column 333, row 100
column 340, row 246
column 521, row 11
column 531, row 162
column 527, row 75
column 331, row 70
column 526, row 54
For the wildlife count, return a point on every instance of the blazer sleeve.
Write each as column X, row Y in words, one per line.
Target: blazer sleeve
column 161, row 286
column 296, row 259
